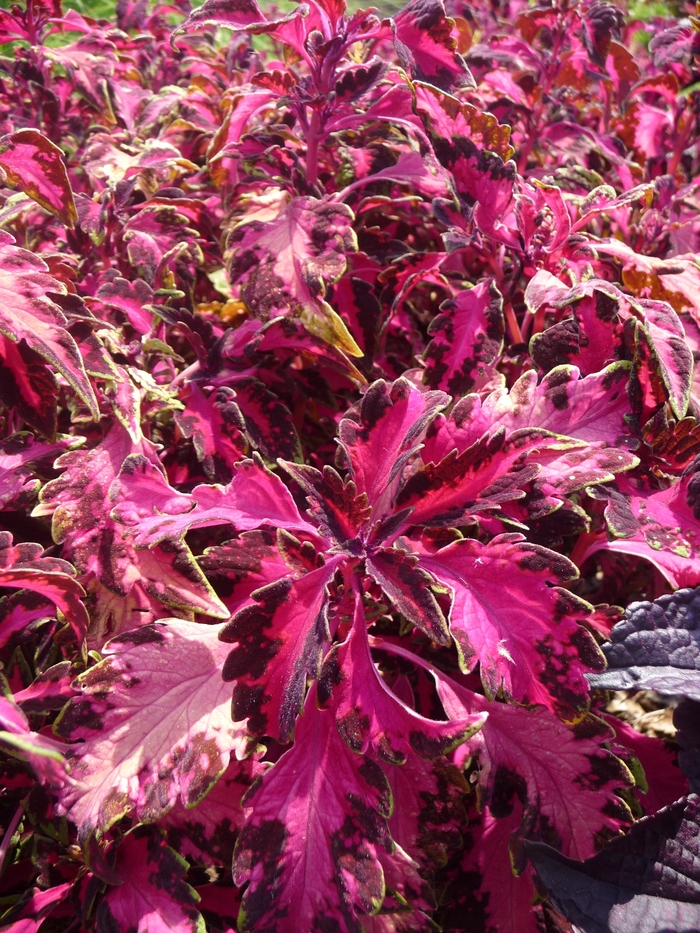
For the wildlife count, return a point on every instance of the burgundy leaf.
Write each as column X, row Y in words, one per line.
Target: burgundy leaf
column 335, row 505
column 279, row 645
column 28, row 313
column 408, row 586
column 563, row 775
column 369, row 714
column 426, row 46
column 379, row 436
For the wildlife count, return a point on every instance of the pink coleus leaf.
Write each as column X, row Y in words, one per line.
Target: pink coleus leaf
column 591, row 409
column 409, row 587
column 207, row 832
column 268, row 422
column 523, row 632
column 279, row 641
column 368, row 712
column 658, row 525
column 20, row 456
column 19, row 610
column 28, row 387
column 23, row 567
column 563, row 775
column 467, row 339
column 310, row 844
column 158, row 703
column 494, row 895
column 28, row 313
column 233, row 14
column 159, row 513
column 153, row 896
column 335, row 505
column 104, row 551
column 44, row 754
column 216, row 427
column 284, row 266
column 426, row 46
column 35, row 164
column 247, row 563
column 380, row 435
column 479, row 479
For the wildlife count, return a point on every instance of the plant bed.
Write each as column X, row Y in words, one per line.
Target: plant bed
column 349, row 468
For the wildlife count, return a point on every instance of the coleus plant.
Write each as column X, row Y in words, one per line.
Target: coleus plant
column 347, row 402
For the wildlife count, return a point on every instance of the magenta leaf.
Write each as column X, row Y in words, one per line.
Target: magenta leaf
column 35, row 164
column 284, row 266
column 494, row 895
column 589, row 408
column 44, row 754
column 382, row 433
column 644, row 882
column 525, row 633
column 279, row 640
column 153, row 896
column 233, row 14
column 103, row 551
column 253, row 498
column 158, row 703
column 23, row 567
column 28, row 313
column 481, row 478
column 268, row 422
column 21, row 456
column 310, row 845
column 467, row 339
column 426, row 46
column 216, row 427
column 335, row 505
column 659, row 526
column 369, row 714
column 563, row 775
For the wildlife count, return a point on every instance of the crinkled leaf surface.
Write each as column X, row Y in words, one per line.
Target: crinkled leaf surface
column 645, row 882
column 309, row 848
column 656, row 647
column 154, row 718
column 153, row 896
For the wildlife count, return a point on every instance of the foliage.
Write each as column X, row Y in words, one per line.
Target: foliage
column 347, row 400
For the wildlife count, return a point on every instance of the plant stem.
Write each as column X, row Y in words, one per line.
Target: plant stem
column 9, row 833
